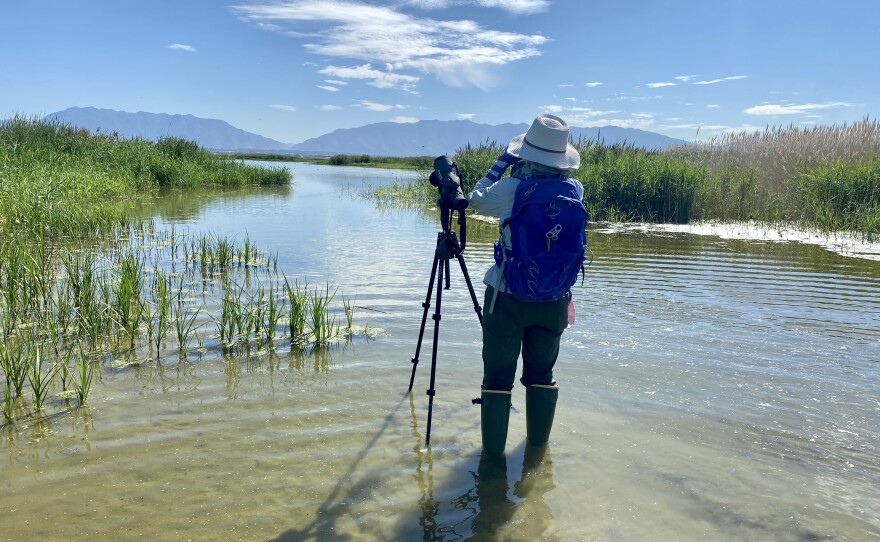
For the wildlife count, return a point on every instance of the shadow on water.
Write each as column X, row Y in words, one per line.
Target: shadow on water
column 337, row 502
column 480, row 500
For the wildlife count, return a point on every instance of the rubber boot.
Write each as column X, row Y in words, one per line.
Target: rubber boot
column 540, row 408
column 494, row 416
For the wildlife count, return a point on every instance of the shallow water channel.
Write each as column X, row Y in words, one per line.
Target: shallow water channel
column 710, row 390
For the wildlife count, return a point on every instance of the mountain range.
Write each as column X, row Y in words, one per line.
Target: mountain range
column 422, row 138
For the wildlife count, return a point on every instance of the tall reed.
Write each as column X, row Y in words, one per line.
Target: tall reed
column 823, row 177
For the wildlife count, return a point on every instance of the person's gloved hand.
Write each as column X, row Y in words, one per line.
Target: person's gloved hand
column 501, row 164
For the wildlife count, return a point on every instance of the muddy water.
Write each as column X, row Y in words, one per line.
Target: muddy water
column 710, row 390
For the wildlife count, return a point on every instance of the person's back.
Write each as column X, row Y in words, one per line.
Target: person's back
column 512, row 322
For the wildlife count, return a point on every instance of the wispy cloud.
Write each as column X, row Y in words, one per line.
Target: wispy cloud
column 715, row 81
column 335, row 82
column 513, row 6
column 284, row 107
column 376, row 78
column 457, row 52
column 182, row 47
column 641, row 123
column 373, row 106
column 404, row 120
column 328, row 88
column 625, row 98
column 713, row 106
column 465, row 116
column 661, row 85
column 685, row 78
column 792, row 109
column 589, row 112
column 589, row 117
column 329, row 107
column 593, row 84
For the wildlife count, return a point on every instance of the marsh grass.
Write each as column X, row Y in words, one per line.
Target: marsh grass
column 8, row 402
column 162, row 312
column 825, row 177
column 85, row 374
column 184, row 320
column 273, row 314
column 297, row 299
column 68, row 182
column 82, row 284
column 127, row 305
column 140, row 297
column 347, row 306
column 322, row 323
column 39, row 379
column 14, row 363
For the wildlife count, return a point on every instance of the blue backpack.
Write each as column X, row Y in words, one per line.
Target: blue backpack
column 548, row 239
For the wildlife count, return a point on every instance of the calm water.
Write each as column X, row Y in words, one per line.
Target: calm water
column 710, row 390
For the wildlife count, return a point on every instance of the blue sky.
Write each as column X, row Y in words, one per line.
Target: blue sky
column 296, row 69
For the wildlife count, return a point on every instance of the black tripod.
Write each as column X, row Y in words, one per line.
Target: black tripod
column 447, row 248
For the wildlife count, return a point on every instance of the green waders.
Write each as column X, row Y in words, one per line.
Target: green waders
column 494, row 417
column 540, row 408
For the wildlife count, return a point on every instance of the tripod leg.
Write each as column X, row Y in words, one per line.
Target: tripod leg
column 446, row 269
column 436, row 317
column 470, row 286
column 427, row 305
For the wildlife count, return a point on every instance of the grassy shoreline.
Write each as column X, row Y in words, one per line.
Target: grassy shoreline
column 67, row 181
column 825, row 178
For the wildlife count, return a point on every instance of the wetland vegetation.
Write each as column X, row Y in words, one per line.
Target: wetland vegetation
column 826, row 178
column 86, row 286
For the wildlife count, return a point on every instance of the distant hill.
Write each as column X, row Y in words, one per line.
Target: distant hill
column 209, row 133
column 423, row 138
column 435, row 137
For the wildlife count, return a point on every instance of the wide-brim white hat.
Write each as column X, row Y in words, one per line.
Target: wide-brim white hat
column 546, row 143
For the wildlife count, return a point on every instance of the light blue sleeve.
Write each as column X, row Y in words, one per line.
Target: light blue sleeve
column 494, row 198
